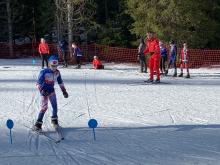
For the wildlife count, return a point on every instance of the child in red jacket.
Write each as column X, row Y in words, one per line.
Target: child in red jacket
column 97, row 64
column 184, row 60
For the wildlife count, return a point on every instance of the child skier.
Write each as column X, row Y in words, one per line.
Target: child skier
column 184, row 58
column 45, row 85
column 173, row 55
column 163, row 54
column 97, row 64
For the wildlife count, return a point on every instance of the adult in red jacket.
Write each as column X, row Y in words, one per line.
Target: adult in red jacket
column 153, row 50
column 44, row 51
column 97, row 64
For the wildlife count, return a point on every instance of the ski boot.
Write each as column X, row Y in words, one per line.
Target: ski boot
column 175, row 74
column 187, row 76
column 37, row 126
column 149, row 81
column 78, row 66
column 157, row 81
column 54, row 122
column 180, row 75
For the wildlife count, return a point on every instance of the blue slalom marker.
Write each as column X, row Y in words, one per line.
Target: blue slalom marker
column 93, row 124
column 10, row 125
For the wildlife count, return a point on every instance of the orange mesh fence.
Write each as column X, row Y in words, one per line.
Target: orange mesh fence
column 198, row 57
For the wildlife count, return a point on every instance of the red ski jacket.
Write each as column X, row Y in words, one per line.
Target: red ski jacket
column 43, row 48
column 152, row 46
column 96, row 63
column 184, row 55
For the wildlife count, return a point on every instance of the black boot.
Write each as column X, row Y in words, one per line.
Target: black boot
column 149, row 81
column 187, row 76
column 175, row 73
column 37, row 126
column 54, row 122
column 157, row 81
column 181, row 74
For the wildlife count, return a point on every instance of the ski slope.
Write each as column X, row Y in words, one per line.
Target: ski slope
column 176, row 122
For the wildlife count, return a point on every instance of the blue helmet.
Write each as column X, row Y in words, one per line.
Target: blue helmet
column 53, row 60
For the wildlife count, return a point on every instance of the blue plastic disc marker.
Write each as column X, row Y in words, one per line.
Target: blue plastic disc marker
column 10, row 125
column 93, row 124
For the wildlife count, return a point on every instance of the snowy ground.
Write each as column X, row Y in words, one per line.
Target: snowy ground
column 174, row 123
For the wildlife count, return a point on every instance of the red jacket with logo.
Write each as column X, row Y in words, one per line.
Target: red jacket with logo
column 43, row 48
column 152, row 45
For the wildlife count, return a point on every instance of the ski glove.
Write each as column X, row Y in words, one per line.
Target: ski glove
column 151, row 53
column 44, row 92
column 65, row 94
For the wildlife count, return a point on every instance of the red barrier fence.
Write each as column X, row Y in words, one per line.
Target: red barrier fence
column 198, row 57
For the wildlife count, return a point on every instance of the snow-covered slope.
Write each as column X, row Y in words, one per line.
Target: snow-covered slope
column 176, row 122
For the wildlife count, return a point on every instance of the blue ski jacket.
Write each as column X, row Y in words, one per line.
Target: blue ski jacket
column 47, row 79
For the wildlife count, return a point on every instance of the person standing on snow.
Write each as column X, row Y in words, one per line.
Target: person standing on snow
column 153, row 50
column 163, row 54
column 141, row 56
column 184, row 59
column 63, row 45
column 173, row 56
column 77, row 54
column 45, row 85
column 44, row 51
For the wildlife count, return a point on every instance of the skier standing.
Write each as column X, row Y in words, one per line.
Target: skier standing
column 141, row 56
column 163, row 53
column 77, row 54
column 184, row 59
column 153, row 50
column 44, row 51
column 173, row 55
column 63, row 45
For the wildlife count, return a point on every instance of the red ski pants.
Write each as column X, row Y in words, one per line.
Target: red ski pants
column 154, row 63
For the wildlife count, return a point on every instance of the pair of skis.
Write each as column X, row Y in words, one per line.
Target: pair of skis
column 58, row 132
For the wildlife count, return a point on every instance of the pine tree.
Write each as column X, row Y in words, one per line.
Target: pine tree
column 187, row 20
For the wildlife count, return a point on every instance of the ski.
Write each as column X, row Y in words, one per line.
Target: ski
column 59, row 132
column 45, row 134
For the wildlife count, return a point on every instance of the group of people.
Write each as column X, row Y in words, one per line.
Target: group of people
column 152, row 47
column 63, row 49
column 155, row 52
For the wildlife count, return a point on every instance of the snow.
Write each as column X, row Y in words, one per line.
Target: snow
column 176, row 122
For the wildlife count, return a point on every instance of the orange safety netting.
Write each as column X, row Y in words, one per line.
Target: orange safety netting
column 198, row 57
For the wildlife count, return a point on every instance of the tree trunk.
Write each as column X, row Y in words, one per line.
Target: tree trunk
column 58, row 21
column 10, row 33
column 69, row 22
